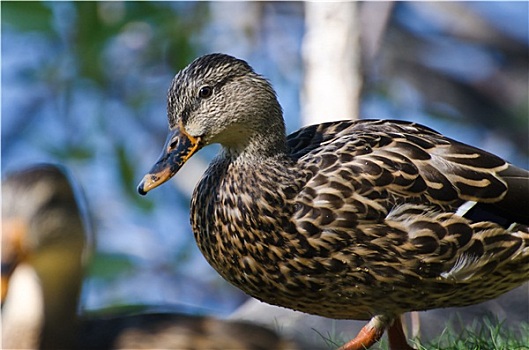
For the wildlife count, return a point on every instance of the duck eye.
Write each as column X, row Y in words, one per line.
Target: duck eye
column 205, row 92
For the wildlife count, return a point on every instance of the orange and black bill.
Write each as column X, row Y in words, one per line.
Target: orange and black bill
column 179, row 147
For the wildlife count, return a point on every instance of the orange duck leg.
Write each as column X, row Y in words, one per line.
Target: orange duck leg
column 373, row 331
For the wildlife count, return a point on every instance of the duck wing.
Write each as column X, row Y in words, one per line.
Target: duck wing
column 399, row 161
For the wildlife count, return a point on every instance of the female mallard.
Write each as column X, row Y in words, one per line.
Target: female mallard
column 351, row 219
column 42, row 228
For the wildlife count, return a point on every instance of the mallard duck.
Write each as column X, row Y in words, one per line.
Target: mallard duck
column 43, row 237
column 364, row 219
column 42, row 226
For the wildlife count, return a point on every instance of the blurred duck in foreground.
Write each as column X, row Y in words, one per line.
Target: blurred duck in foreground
column 44, row 249
column 362, row 220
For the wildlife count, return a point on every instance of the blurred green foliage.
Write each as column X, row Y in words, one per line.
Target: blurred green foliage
column 27, row 15
column 94, row 24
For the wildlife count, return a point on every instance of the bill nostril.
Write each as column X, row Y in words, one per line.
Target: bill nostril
column 173, row 144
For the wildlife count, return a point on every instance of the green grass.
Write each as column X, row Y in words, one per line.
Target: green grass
column 485, row 334
column 488, row 334
column 330, row 337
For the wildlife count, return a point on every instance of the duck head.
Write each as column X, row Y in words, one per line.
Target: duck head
column 42, row 226
column 217, row 99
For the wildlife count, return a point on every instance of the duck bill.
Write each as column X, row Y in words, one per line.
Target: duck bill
column 13, row 234
column 179, row 147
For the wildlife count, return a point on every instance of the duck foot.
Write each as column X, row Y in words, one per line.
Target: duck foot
column 373, row 331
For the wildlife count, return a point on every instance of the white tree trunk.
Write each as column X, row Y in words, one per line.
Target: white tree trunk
column 331, row 56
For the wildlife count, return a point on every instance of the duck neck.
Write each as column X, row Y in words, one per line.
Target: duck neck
column 22, row 311
column 60, row 270
column 256, row 149
column 41, row 306
column 265, row 139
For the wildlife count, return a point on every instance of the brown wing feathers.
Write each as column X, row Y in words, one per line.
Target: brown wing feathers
column 408, row 159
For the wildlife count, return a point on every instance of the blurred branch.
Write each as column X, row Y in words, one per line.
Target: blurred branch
column 459, row 20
